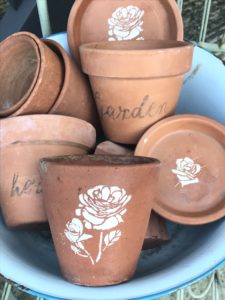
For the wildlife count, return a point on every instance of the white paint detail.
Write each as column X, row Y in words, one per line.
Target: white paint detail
column 101, row 209
column 126, row 23
column 187, row 171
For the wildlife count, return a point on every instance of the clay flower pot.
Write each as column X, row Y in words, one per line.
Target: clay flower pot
column 191, row 186
column 110, row 148
column 23, row 141
column 98, row 209
column 31, row 75
column 135, row 83
column 75, row 98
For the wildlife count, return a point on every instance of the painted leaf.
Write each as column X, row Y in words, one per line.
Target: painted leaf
column 85, row 237
column 112, row 237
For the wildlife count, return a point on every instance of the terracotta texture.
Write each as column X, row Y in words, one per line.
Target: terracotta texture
column 191, row 186
column 135, row 83
column 120, row 20
column 31, row 75
column 110, row 148
column 98, row 209
column 157, row 233
column 23, row 141
column 75, row 98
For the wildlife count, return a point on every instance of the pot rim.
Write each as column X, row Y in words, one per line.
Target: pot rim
column 48, row 121
column 61, row 53
column 28, row 38
column 136, row 59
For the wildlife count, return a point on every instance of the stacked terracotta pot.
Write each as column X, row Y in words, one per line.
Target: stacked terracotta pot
column 99, row 206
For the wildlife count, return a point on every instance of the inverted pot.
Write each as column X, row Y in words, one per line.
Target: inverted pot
column 191, row 187
column 135, row 83
column 31, row 73
column 98, row 209
column 23, row 141
column 75, row 98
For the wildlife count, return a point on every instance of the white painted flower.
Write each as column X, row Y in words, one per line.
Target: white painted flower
column 74, row 231
column 187, row 171
column 103, row 207
column 126, row 23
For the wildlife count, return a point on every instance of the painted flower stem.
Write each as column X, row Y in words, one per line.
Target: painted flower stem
column 100, row 247
column 89, row 256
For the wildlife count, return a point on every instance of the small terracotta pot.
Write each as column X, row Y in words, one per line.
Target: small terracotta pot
column 191, row 186
column 110, row 148
column 23, row 141
column 98, row 209
column 31, row 75
column 135, row 83
column 75, row 98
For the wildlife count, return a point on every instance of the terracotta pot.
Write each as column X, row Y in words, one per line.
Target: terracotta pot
column 75, row 98
column 157, row 233
column 110, row 148
column 135, row 83
column 120, row 20
column 31, row 75
column 191, row 187
column 98, row 209
column 23, row 141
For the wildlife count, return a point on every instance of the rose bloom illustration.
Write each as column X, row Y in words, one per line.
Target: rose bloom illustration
column 187, row 171
column 102, row 207
column 126, row 24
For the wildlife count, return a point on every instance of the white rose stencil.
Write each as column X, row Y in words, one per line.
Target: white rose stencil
column 126, row 23
column 187, row 171
column 101, row 208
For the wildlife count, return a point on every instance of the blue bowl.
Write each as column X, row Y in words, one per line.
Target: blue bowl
column 29, row 259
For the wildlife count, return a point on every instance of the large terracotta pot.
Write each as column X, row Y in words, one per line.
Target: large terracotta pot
column 23, row 141
column 31, row 75
column 135, row 83
column 75, row 98
column 98, row 209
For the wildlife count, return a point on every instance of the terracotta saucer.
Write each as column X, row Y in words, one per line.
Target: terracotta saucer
column 117, row 20
column 191, row 187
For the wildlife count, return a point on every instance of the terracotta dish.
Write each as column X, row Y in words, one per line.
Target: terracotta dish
column 135, row 83
column 23, row 141
column 191, row 186
column 31, row 75
column 118, row 20
column 98, row 209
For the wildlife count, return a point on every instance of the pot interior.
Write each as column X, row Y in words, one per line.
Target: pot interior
column 18, row 71
column 136, row 45
column 98, row 160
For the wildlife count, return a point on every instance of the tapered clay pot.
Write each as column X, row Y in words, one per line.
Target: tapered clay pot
column 98, row 208
column 31, row 75
column 191, row 187
column 110, row 148
column 23, row 141
column 135, row 83
column 75, row 98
